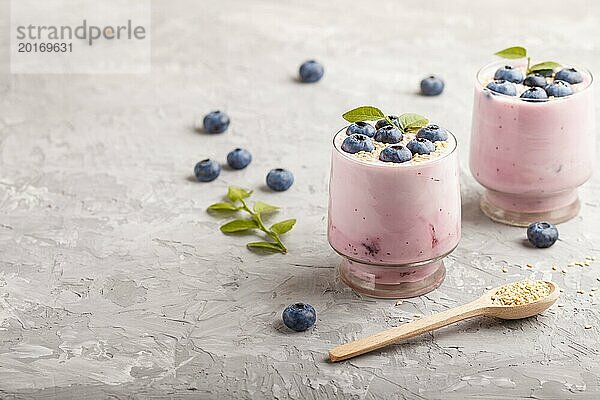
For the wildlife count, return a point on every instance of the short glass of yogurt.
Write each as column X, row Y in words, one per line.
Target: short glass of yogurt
column 394, row 207
column 532, row 141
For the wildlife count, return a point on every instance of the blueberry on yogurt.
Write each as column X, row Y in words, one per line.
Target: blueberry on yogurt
column 432, row 86
column 239, row 158
column 215, row 122
column 207, row 170
column 299, row 316
column 361, row 128
column 395, row 154
column 508, row 73
column 383, row 122
column 534, row 93
column 356, row 142
column 420, row 146
column 535, row 80
column 542, row 234
column 569, row 75
column 388, row 134
column 503, row 87
column 311, row 71
column 279, row 179
column 559, row 89
column 433, row 133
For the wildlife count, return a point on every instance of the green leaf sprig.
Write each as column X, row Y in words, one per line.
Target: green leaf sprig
column 543, row 68
column 259, row 209
column 409, row 122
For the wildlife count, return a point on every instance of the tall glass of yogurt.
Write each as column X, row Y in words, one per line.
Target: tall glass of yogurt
column 531, row 155
column 393, row 223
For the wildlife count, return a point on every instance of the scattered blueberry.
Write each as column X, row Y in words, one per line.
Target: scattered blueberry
column 569, row 75
column 383, row 122
column 559, row 89
column 355, row 143
column 433, row 133
column 388, row 134
column 216, row 122
column 395, row 154
column 279, row 179
column 361, row 128
column 299, row 316
column 508, row 73
column 239, row 158
column 432, row 86
column 535, row 80
column 420, row 146
column 503, row 87
column 311, row 71
column 534, row 93
column 207, row 170
column 542, row 234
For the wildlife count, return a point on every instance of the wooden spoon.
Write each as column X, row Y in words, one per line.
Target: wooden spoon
column 482, row 306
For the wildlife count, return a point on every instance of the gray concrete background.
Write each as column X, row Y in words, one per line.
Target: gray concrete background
column 115, row 283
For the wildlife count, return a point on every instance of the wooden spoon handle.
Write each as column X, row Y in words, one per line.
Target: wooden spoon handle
column 405, row 331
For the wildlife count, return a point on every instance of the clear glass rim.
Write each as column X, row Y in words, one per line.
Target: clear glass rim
column 393, row 165
column 479, row 84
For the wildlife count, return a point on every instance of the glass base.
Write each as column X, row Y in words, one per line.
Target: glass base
column 553, row 209
column 392, row 282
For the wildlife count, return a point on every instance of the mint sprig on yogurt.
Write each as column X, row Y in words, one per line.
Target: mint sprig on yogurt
column 409, row 122
column 258, row 212
column 515, row 52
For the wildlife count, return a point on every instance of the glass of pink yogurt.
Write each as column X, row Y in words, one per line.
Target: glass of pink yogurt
column 531, row 155
column 393, row 223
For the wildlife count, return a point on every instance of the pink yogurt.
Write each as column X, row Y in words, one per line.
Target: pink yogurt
column 532, row 155
column 393, row 221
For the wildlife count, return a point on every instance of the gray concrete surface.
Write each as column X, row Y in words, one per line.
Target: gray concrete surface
column 115, row 283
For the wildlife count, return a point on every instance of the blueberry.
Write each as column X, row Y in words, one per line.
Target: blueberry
column 395, row 154
column 239, row 158
column 508, row 73
column 535, row 80
column 361, row 128
column 559, row 89
column 311, row 71
column 299, row 316
column 279, row 179
column 542, row 234
column 388, row 134
column 420, row 146
column 355, row 143
column 432, row 86
column 569, row 75
column 383, row 122
column 534, row 93
column 207, row 170
column 433, row 133
column 503, row 87
column 216, row 122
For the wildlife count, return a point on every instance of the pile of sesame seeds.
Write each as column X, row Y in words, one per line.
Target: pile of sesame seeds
column 522, row 292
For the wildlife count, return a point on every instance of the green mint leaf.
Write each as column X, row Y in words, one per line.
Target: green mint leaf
column 284, row 226
column 365, row 113
column 222, row 207
column 546, row 65
column 265, row 246
column 236, row 194
column 264, row 208
column 512, row 52
column 412, row 122
column 239, row 225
